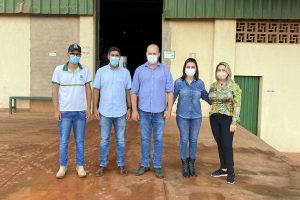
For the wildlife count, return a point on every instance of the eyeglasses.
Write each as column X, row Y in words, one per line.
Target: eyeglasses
column 75, row 54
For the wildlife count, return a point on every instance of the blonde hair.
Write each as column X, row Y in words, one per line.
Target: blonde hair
column 227, row 69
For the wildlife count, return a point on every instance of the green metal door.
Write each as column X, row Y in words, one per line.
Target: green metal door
column 250, row 99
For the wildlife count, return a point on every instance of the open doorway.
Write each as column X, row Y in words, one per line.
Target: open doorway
column 130, row 25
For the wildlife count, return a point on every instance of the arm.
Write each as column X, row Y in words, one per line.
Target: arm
column 236, row 107
column 134, row 91
column 205, row 95
column 135, row 113
column 88, row 93
column 96, row 94
column 55, row 89
column 176, row 91
column 128, row 102
column 168, row 110
column 237, row 94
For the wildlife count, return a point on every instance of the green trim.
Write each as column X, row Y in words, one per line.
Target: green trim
column 55, row 83
column 73, row 85
column 65, row 68
column 88, row 82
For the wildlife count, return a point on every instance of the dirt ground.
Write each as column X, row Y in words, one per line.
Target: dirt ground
column 29, row 161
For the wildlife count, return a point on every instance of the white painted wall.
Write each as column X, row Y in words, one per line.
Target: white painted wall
column 14, row 59
column 279, row 67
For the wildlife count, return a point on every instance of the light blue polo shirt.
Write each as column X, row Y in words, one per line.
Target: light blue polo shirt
column 71, row 95
column 112, row 85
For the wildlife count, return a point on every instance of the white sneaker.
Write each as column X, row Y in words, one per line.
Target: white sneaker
column 80, row 171
column 61, row 172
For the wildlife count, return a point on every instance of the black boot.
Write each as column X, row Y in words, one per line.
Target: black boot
column 192, row 167
column 185, row 168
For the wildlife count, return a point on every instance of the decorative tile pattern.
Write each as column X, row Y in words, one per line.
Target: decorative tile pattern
column 268, row 32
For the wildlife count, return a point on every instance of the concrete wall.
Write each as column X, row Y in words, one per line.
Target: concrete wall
column 192, row 38
column 87, row 38
column 26, row 67
column 276, row 64
column 49, row 35
column 15, row 59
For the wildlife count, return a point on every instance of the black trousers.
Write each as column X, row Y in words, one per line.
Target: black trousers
column 220, row 126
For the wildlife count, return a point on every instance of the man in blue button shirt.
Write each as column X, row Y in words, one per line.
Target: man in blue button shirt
column 152, row 83
column 113, row 84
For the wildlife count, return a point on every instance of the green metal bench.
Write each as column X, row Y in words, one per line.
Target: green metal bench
column 13, row 101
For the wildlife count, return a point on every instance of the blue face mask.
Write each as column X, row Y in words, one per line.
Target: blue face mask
column 74, row 59
column 114, row 61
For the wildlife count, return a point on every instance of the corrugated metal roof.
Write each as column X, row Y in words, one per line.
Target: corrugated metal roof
column 232, row 9
column 82, row 7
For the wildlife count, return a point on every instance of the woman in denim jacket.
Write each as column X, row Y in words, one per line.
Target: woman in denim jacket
column 189, row 89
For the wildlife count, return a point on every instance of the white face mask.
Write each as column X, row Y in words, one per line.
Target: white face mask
column 190, row 71
column 222, row 75
column 152, row 59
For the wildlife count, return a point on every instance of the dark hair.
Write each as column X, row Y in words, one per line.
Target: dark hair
column 196, row 76
column 114, row 49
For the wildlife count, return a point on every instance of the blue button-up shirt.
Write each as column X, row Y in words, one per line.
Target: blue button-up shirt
column 151, row 86
column 189, row 95
column 112, row 85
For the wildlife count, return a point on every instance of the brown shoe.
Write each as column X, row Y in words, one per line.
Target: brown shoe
column 123, row 171
column 100, row 171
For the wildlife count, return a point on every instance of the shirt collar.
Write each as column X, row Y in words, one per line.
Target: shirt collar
column 65, row 68
column 191, row 82
column 158, row 64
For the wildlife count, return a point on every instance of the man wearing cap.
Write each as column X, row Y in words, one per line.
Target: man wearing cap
column 112, row 83
column 71, row 95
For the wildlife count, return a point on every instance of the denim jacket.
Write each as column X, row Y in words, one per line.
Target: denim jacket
column 189, row 98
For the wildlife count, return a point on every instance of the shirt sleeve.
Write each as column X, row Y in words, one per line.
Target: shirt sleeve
column 135, row 82
column 128, row 81
column 97, row 81
column 237, row 94
column 205, row 95
column 176, row 90
column 88, row 77
column 169, row 84
column 56, row 76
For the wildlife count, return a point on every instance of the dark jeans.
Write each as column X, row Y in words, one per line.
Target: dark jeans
column 220, row 126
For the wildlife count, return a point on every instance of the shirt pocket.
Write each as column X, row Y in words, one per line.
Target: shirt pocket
column 184, row 92
column 197, row 94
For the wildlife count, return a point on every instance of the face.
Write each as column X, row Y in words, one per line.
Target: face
column 153, row 50
column 75, row 53
column 190, row 65
column 221, row 73
column 114, row 54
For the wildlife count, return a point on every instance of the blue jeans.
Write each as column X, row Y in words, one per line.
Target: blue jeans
column 77, row 120
column 105, row 125
column 189, row 131
column 151, row 122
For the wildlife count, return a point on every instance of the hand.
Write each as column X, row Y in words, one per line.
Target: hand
column 232, row 128
column 128, row 114
column 96, row 114
column 57, row 115
column 167, row 115
column 88, row 113
column 135, row 115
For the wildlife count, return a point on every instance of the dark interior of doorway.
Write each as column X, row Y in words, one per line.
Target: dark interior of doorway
column 130, row 25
